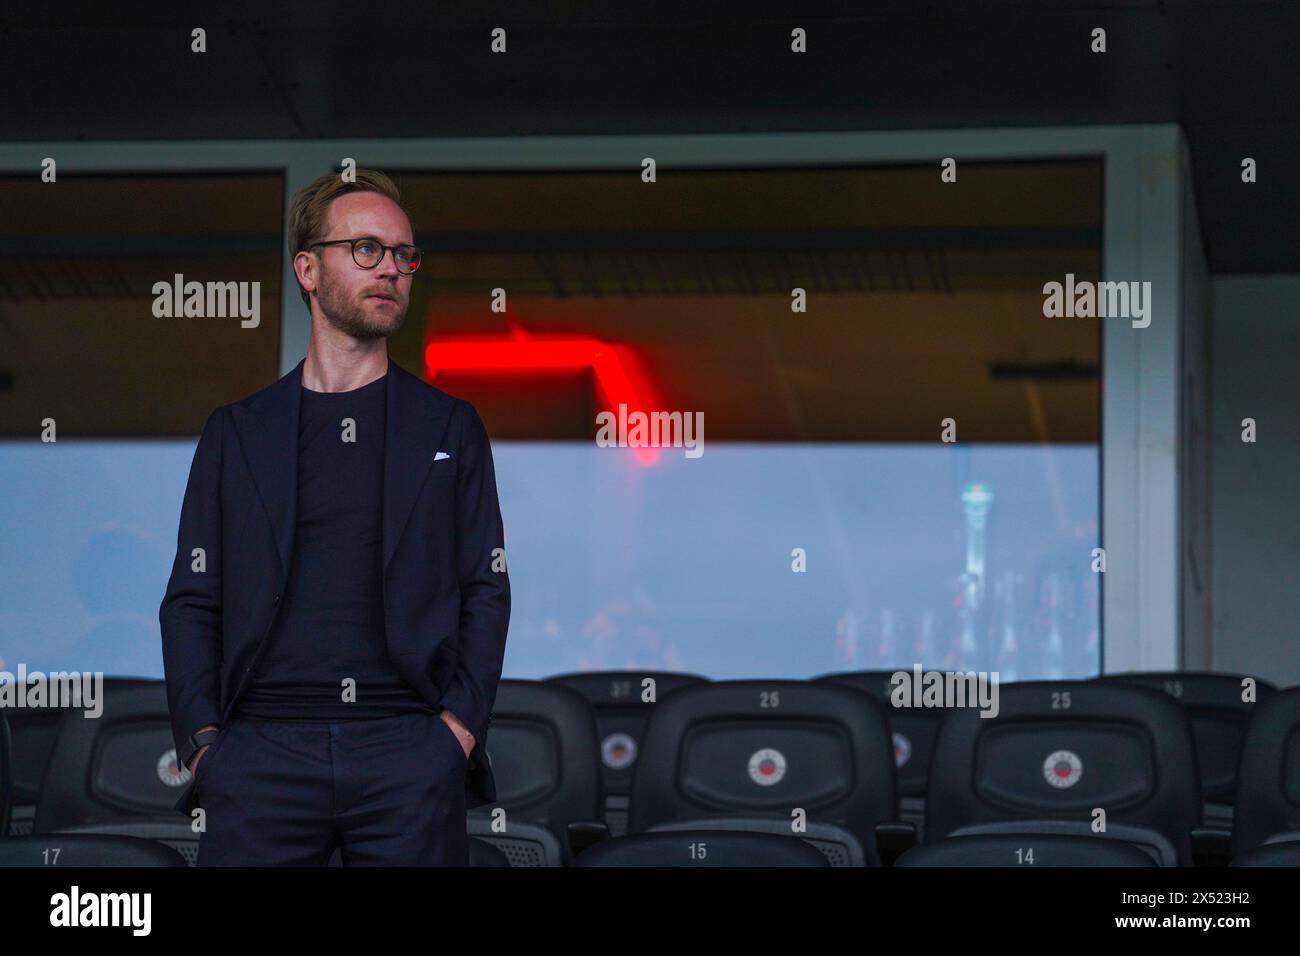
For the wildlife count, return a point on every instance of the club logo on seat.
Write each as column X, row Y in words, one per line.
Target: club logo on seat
column 1062, row 769
column 618, row 751
column 766, row 766
column 170, row 772
column 902, row 750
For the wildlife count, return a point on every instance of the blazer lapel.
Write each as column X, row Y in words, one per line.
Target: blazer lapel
column 414, row 425
column 268, row 433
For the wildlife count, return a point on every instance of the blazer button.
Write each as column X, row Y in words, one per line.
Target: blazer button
column 277, row 599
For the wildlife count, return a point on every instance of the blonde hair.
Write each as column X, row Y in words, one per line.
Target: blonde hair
column 309, row 210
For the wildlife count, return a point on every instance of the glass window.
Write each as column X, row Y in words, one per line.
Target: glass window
column 86, row 265
column 90, row 521
column 822, row 427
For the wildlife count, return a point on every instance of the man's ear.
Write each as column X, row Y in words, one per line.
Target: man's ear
column 304, row 267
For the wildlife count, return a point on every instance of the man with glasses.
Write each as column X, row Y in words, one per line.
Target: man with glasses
column 335, row 622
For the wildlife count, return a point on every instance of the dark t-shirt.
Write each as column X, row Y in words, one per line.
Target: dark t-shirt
column 330, row 623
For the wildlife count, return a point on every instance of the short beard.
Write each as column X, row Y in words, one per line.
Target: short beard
column 349, row 317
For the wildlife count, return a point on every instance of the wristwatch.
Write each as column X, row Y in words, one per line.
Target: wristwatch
column 196, row 742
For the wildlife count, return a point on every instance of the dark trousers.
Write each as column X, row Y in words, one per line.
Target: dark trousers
column 387, row 792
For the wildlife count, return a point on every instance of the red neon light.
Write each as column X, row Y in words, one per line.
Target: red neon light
column 520, row 352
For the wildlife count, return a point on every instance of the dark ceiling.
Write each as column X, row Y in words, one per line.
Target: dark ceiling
column 1227, row 72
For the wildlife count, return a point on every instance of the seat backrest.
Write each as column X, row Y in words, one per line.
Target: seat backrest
column 114, row 767
column 1218, row 713
column 84, row 849
column 702, row 848
column 33, row 732
column 1267, row 799
column 621, row 714
column 544, row 756
column 1286, row 853
column 767, row 748
column 1025, row 850
column 1058, row 751
column 912, row 729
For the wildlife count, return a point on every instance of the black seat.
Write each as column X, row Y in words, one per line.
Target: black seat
column 1058, row 750
column 693, row 848
column 117, row 774
column 761, row 755
column 482, row 853
column 33, row 732
column 85, row 849
column 1214, row 705
column 545, row 759
column 1280, row 853
column 1038, row 849
column 1267, row 799
column 621, row 715
column 913, row 731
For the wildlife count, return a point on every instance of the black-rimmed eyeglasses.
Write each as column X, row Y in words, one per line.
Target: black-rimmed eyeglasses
column 368, row 252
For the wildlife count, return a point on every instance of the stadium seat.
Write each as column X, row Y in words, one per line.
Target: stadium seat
column 117, row 774
column 695, row 848
column 482, row 853
column 85, row 849
column 33, row 732
column 621, row 716
column 747, row 755
column 545, row 760
column 1058, row 750
column 912, row 730
column 1282, row 850
column 1267, row 799
column 1219, row 716
column 1039, row 849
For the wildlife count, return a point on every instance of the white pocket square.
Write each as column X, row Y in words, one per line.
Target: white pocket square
column 440, row 456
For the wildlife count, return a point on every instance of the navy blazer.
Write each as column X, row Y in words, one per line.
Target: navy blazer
column 446, row 610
